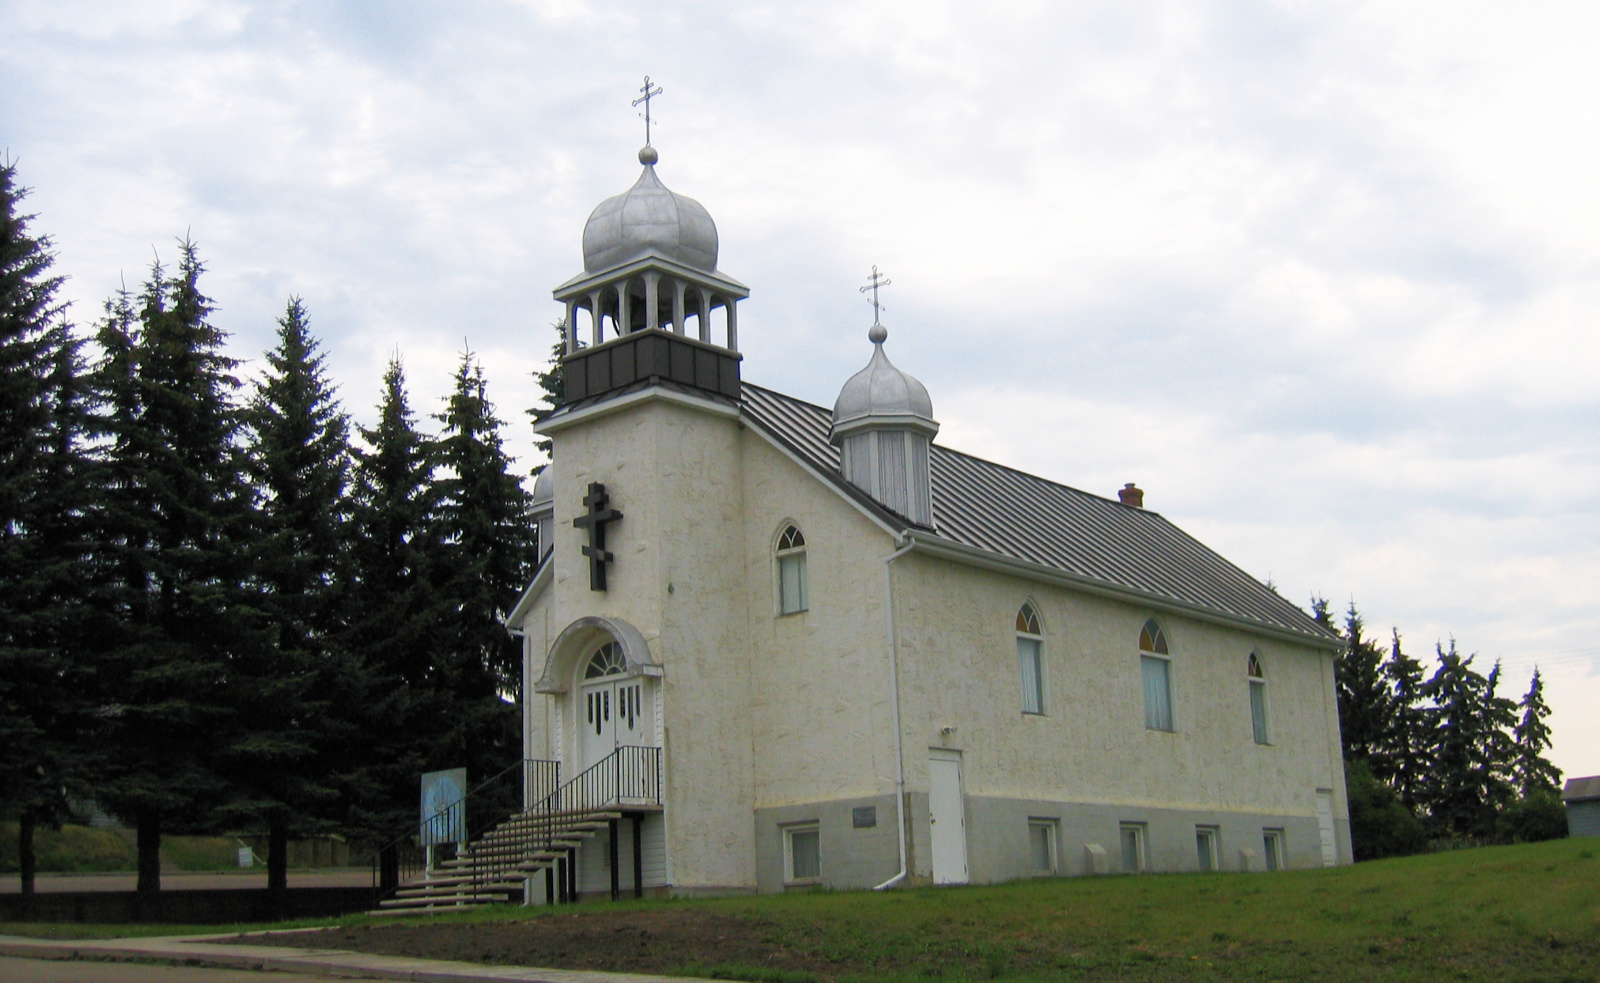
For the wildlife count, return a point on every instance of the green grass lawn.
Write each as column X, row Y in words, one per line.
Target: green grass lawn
column 83, row 849
column 1528, row 912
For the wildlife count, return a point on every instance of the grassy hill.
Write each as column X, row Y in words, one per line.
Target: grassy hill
column 83, row 849
column 1529, row 912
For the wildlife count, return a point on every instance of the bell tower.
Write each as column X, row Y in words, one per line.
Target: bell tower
column 650, row 299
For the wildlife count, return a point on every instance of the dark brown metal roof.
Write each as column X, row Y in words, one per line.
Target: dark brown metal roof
column 1012, row 515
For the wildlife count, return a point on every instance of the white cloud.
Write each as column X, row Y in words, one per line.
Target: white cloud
column 1321, row 278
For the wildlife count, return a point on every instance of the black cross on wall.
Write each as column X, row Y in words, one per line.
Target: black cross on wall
column 595, row 521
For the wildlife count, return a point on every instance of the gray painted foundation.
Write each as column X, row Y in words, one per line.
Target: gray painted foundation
column 998, row 846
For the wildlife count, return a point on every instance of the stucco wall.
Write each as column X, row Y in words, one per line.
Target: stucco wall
column 820, row 689
column 675, row 474
column 959, row 667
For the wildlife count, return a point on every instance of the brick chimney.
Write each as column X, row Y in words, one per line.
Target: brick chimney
column 1131, row 495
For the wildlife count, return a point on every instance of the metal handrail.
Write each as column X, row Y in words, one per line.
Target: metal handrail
column 407, row 858
column 629, row 776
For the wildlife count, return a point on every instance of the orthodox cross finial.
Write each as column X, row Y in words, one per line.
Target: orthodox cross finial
column 649, row 93
column 597, row 501
column 875, row 281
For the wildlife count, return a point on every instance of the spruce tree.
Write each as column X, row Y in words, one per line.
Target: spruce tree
column 487, row 534
column 300, row 456
column 1531, row 771
column 174, row 524
column 552, row 382
column 1404, row 753
column 395, row 626
column 487, row 529
column 1467, row 786
column 281, row 761
column 1365, row 706
column 43, row 674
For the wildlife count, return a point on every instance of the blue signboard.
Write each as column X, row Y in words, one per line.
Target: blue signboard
column 444, row 818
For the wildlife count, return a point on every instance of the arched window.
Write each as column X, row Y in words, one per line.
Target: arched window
column 608, row 660
column 791, row 571
column 1258, row 699
column 1155, row 668
column 1030, row 659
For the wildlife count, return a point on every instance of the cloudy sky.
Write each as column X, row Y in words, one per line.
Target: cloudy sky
column 1321, row 277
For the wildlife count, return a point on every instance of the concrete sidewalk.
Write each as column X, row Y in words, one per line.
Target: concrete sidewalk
column 204, row 950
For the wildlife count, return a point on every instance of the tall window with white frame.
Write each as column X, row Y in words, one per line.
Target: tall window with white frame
column 1258, row 700
column 1155, row 669
column 792, row 588
column 1030, row 659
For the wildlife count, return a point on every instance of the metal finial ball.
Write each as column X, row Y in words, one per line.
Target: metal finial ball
column 648, row 155
column 878, row 334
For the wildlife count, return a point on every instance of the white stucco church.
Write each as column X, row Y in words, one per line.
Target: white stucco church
column 798, row 645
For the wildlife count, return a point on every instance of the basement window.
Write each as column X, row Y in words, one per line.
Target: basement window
column 802, row 854
column 1042, row 846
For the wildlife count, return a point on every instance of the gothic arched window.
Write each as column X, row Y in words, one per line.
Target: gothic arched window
column 1258, row 699
column 791, row 571
column 1155, row 670
column 1030, row 659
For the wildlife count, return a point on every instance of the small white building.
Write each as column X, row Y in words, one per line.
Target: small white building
column 805, row 646
column 1582, row 799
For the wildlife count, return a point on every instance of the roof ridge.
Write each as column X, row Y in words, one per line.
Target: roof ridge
column 1072, row 530
column 971, row 457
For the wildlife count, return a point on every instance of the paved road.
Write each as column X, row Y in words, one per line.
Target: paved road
column 60, row 883
column 72, row 971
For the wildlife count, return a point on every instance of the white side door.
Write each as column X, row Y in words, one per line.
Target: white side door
column 947, row 817
column 1330, row 845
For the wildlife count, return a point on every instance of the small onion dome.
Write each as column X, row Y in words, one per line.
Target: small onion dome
column 881, row 396
column 649, row 218
column 544, row 490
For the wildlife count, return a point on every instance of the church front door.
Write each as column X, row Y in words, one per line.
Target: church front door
column 612, row 711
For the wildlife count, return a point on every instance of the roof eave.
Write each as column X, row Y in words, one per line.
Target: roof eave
column 561, row 419
column 936, row 545
column 586, row 281
column 879, row 516
column 541, row 580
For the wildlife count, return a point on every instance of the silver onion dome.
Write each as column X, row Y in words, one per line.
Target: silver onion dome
column 882, row 395
column 544, row 489
column 647, row 218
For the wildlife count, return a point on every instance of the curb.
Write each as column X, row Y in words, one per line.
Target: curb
column 200, row 950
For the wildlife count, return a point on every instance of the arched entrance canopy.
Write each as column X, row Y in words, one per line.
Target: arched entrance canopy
column 577, row 641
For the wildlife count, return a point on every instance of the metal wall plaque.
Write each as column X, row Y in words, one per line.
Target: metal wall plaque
column 864, row 817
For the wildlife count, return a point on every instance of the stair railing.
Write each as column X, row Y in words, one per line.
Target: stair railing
column 628, row 777
column 492, row 801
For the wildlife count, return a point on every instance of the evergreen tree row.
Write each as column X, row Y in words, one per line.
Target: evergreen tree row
column 1442, row 756
column 220, row 609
